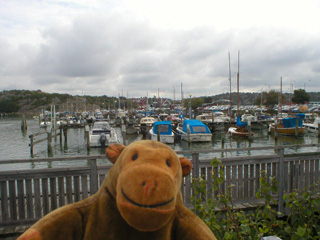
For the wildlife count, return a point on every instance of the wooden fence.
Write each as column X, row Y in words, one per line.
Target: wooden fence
column 27, row 195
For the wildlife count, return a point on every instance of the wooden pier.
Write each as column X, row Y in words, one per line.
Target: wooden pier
column 27, row 195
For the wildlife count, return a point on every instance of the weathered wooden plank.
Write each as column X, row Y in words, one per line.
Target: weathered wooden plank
column 228, row 178
column 62, row 192
column 37, row 199
column 246, row 181
column 307, row 174
column 188, row 189
column 312, row 172
column 252, row 181
column 69, row 189
column 12, row 200
column 209, row 182
column 45, row 195
column 29, row 199
column 53, row 194
column 234, row 181
column 4, row 201
column 257, row 177
column 76, row 188
column 215, row 176
column 240, row 184
column 93, row 177
column 21, row 209
column 291, row 176
column 285, row 176
column 84, row 183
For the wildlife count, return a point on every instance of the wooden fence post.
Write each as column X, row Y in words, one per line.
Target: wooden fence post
column 93, row 176
column 281, row 180
column 195, row 170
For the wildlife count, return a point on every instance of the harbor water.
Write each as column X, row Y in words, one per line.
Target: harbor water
column 14, row 144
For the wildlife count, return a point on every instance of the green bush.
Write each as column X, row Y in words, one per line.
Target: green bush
column 302, row 221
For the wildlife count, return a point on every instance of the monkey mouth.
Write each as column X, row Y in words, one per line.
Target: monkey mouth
column 145, row 205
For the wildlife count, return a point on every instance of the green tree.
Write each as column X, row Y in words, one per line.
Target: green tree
column 300, row 96
column 8, row 106
column 195, row 102
column 269, row 99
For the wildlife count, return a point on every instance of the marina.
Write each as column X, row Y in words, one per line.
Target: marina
column 34, row 184
column 15, row 142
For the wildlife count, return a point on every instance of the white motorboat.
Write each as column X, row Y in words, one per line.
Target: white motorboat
column 102, row 134
column 312, row 127
column 146, row 124
column 164, row 129
column 193, row 130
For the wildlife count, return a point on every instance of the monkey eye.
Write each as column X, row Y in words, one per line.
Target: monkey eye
column 134, row 156
column 168, row 163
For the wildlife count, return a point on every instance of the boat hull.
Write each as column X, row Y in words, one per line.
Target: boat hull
column 233, row 131
column 286, row 131
column 169, row 139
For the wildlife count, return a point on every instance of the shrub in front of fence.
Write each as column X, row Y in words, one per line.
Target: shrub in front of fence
column 301, row 221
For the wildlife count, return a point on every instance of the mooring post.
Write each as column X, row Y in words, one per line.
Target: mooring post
column 123, row 132
column 65, row 133
column 276, row 129
column 87, row 136
column 60, row 137
column 49, row 139
column 31, row 145
column 24, row 123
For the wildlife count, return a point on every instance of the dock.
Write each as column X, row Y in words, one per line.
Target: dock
column 29, row 194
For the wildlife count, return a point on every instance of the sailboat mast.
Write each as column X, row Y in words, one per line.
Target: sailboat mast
column 230, row 101
column 238, row 85
column 280, row 99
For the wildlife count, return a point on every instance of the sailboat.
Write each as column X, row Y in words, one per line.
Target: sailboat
column 241, row 128
column 292, row 126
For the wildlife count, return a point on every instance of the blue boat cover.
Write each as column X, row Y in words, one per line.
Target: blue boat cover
column 291, row 122
column 301, row 115
column 165, row 127
column 241, row 124
column 196, row 126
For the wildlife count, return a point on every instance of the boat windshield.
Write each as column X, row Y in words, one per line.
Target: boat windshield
column 199, row 129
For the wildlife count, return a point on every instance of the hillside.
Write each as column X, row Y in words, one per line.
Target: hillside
column 33, row 102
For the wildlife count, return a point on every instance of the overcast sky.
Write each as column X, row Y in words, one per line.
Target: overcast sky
column 137, row 48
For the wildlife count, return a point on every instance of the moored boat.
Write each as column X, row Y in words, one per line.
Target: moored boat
column 240, row 130
column 102, row 134
column 193, row 130
column 146, row 124
column 164, row 129
column 287, row 126
column 312, row 127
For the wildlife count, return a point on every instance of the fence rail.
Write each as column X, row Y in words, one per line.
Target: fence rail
column 27, row 195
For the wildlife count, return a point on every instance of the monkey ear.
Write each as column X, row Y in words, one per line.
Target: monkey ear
column 113, row 151
column 186, row 166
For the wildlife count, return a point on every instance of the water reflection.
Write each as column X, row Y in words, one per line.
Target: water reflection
column 14, row 143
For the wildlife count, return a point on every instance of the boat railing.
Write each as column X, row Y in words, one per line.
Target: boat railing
column 29, row 194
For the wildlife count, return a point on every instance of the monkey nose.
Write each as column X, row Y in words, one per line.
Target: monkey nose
column 148, row 187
